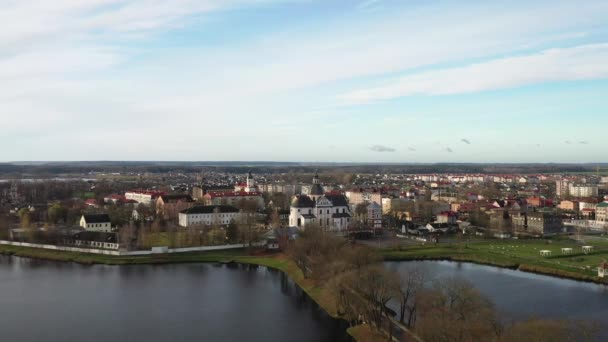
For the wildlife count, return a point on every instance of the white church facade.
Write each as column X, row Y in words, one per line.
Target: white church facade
column 328, row 211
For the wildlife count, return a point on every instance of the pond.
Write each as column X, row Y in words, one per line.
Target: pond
column 520, row 295
column 52, row 301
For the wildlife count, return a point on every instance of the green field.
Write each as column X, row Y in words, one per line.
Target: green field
column 522, row 254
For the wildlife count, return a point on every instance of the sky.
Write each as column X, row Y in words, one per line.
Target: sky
column 301, row 80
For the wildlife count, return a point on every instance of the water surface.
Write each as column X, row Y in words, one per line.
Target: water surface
column 51, row 301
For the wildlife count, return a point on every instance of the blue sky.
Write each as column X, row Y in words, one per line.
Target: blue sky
column 303, row 80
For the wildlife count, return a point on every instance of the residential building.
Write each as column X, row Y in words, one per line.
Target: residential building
column 358, row 196
column 448, row 217
column 601, row 212
column 94, row 239
column 96, row 222
column 538, row 223
column 143, row 196
column 170, row 205
column 583, row 190
column 374, row 215
column 568, row 205
column 561, row 188
column 233, row 198
column 208, row 215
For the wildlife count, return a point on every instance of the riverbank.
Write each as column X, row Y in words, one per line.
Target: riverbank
column 320, row 295
column 521, row 255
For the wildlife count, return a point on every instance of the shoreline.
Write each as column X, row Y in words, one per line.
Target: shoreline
column 276, row 261
column 523, row 267
column 280, row 262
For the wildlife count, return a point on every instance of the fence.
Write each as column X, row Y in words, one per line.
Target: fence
column 155, row 250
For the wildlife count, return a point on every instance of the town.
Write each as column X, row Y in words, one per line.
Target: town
column 138, row 212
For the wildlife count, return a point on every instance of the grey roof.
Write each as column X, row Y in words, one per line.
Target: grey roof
column 177, row 197
column 302, row 201
column 97, row 218
column 309, row 216
column 95, row 236
column 338, row 200
column 209, row 209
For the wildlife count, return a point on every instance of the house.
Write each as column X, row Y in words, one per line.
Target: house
column 96, row 222
column 601, row 212
column 602, row 270
column 91, row 202
column 208, row 215
column 374, row 215
column 272, row 244
column 170, row 205
column 448, row 217
column 568, row 205
column 94, row 239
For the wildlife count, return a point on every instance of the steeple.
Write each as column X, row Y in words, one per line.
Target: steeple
column 315, row 179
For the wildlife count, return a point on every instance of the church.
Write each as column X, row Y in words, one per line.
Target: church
column 328, row 211
column 248, row 186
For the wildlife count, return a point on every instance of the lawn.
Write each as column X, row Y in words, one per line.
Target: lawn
column 522, row 254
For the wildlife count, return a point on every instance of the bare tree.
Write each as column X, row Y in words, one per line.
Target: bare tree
column 407, row 288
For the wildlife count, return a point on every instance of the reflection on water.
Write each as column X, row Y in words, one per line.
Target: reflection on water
column 520, row 295
column 51, row 301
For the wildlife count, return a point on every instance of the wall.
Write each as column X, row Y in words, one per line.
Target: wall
column 61, row 248
column 130, row 253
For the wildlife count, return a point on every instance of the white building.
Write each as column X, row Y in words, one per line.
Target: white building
column 96, row 222
column 208, row 215
column 601, row 212
column 142, row 196
column 583, row 190
column 328, row 211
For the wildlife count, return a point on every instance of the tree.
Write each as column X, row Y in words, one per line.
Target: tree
column 4, row 228
column 232, row 232
column 127, row 235
column 406, row 290
column 56, row 213
column 455, row 311
column 361, row 211
column 275, row 220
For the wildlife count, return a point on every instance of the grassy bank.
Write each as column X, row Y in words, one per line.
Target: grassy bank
column 523, row 255
column 319, row 294
column 276, row 261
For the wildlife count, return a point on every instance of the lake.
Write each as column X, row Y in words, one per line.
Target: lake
column 52, row 301
column 520, row 295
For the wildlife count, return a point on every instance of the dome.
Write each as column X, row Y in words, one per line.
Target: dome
column 302, row 202
column 317, row 190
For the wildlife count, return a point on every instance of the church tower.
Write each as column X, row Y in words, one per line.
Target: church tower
column 316, row 190
column 250, row 183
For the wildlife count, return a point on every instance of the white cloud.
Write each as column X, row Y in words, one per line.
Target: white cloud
column 567, row 64
column 381, row 148
column 367, row 4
